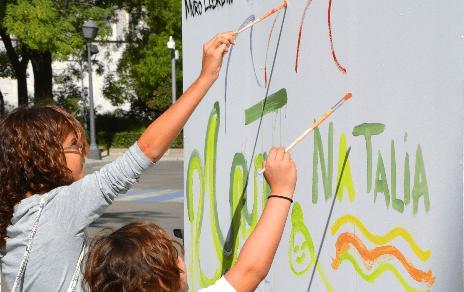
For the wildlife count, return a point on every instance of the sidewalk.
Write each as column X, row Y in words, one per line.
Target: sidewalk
column 173, row 154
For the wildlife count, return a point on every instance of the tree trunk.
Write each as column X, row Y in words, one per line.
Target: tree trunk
column 43, row 75
column 2, row 105
column 21, row 79
column 19, row 66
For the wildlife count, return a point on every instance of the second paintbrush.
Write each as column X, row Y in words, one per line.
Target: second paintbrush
column 316, row 123
column 266, row 15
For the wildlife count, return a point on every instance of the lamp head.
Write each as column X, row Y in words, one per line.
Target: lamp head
column 89, row 30
column 171, row 43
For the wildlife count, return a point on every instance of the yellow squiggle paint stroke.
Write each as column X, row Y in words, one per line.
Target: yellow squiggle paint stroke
column 379, row 239
column 382, row 268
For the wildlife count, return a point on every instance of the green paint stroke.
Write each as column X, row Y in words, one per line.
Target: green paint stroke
column 346, row 181
column 382, row 268
column 420, row 188
column 368, row 130
column 304, row 254
column 305, row 251
column 266, row 187
column 210, row 178
column 264, row 107
column 326, row 169
column 237, row 199
column 226, row 248
column 381, row 183
column 397, row 204
column 407, row 180
column 194, row 166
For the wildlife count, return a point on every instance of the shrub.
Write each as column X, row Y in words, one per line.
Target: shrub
column 126, row 139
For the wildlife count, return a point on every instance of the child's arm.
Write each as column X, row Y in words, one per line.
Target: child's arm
column 159, row 135
column 258, row 252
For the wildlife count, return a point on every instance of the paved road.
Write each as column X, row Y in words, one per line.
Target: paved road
column 157, row 197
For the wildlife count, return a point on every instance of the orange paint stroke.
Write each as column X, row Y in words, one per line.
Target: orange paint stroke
column 371, row 256
column 299, row 34
column 340, row 67
column 267, row 50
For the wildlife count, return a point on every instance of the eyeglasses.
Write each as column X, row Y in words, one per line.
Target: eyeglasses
column 75, row 148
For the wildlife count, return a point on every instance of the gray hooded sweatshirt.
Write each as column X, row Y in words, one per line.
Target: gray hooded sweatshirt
column 60, row 234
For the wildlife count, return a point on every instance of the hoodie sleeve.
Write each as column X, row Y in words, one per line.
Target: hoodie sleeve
column 82, row 202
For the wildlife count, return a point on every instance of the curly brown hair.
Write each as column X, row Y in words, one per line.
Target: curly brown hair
column 31, row 155
column 138, row 257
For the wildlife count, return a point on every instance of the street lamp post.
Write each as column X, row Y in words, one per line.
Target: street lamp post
column 174, row 56
column 90, row 31
column 83, row 97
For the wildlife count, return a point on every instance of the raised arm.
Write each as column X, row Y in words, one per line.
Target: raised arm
column 258, row 252
column 159, row 135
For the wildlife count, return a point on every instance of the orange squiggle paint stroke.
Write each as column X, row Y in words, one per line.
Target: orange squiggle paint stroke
column 334, row 56
column 267, row 49
column 299, row 34
column 370, row 256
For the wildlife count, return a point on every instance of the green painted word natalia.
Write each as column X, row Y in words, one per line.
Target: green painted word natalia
column 382, row 183
column 201, row 182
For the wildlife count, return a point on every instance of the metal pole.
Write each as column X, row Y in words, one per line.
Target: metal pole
column 94, row 152
column 173, row 65
column 84, row 102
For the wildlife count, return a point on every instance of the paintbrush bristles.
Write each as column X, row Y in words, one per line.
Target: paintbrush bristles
column 348, row 96
column 266, row 15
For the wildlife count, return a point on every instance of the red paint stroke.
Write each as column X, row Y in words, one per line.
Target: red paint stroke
column 299, row 34
column 334, row 56
column 371, row 256
column 267, row 50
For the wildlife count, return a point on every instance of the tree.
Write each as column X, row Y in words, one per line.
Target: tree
column 144, row 72
column 18, row 57
column 6, row 71
column 51, row 30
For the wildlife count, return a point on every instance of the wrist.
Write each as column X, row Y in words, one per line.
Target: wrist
column 282, row 192
column 206, row 80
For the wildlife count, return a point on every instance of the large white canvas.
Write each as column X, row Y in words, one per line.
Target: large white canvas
column 404, row 66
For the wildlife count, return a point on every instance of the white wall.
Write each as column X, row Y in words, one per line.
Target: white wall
column 404, row 66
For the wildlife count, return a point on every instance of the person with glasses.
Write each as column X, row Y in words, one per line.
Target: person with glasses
column 46, row 201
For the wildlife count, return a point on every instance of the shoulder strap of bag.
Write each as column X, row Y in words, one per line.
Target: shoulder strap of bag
column 22, row 267
column 77, row 270
column 27, row 253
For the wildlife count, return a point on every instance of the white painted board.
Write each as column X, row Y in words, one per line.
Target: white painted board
column 398, row 225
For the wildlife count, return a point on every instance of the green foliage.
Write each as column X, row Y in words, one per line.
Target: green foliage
column 109, row 124
column 126, row 139
column 53, row 26
column 120, row 129
column 144, row 71
column 69, row 95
